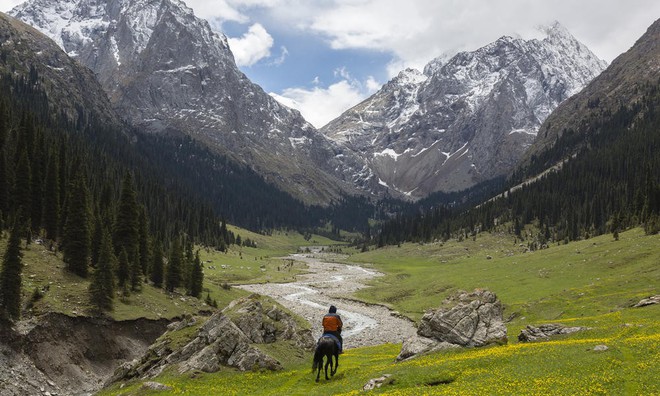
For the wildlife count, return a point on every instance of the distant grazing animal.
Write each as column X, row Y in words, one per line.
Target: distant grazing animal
column 326, row 346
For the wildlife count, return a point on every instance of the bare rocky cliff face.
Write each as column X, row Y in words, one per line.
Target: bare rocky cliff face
column 466, row 119
column 167, row 71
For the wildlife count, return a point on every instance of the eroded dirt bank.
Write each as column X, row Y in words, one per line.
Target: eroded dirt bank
column 57, row 354
column 332, row 284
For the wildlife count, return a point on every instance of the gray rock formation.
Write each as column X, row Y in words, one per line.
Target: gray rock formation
column 545, row 331
column 167, row 71
column 220, row 342
column 466, row 119
column 648, row 301
column 463, row 320
column 226, row 339
column 267, row 325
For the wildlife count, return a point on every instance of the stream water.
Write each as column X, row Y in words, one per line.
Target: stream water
column 328, row 283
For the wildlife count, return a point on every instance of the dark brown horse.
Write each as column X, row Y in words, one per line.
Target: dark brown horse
column 326, row 347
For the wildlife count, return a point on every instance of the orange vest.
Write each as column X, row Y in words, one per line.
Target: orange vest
column 332, row 322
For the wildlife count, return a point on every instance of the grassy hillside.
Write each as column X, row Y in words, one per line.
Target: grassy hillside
column 67, row 293
column 590, row 283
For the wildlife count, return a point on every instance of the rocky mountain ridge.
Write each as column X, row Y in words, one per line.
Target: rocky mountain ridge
column 168, row 72
column 466, row 119
column 622, row 84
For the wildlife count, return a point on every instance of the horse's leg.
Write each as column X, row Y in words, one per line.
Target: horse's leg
column 336, row 363
column 328, row 362
column 318, row 372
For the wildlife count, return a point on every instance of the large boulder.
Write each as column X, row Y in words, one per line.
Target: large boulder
column 545, row 331
column 227, row 338
column 463, row 320
column 264, row 322
column 220, row 342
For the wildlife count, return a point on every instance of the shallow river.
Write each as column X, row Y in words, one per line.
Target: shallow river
column 327, row 284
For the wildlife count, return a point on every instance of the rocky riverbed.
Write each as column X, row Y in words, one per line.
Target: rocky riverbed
column 328, row 283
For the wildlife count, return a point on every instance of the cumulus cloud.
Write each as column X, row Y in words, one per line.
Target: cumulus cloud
column 321, row 105
column 416, row 31
column 253, row 46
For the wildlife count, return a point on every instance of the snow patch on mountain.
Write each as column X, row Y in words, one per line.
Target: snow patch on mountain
column 479, row 110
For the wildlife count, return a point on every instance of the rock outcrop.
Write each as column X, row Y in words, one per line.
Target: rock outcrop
column 463, row 320
column 545, row 331
column 266, row 325
column 648, row 301
column 226, row 339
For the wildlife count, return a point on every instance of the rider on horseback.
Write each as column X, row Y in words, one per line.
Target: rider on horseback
column 332, row 325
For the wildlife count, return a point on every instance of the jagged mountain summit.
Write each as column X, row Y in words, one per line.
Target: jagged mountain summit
column 167, row 71
column 623, row 83
column 466, row 119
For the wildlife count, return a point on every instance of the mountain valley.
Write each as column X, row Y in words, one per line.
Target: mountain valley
column 152, row 198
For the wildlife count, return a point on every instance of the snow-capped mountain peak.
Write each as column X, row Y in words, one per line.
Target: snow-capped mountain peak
column 168, row 72
column 470, row 117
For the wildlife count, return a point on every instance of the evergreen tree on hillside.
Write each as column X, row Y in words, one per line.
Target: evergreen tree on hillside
column 38, row 165
column 123, row 271
column 97, row 237
column 102, row 288
column 196, row 277
column 145, row 254
column 157, row 265
column 173, row 275
column 188, row 262
column 10, row 277
column 77, row 234
column 51, row 210
column 21, row 191
column 63, row 183
column 4, row 186
column 126, row 228
column 136, row 273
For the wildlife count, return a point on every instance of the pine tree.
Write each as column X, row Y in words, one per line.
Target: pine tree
column 77, row 234
column 123, row 271
column 97, row 238
column 37, row 166
column 136, row 273
column 145, row 254
column 196, row 278
column 126, row 228
column 173, row 275
column 10, row 277
column 4, row 186
column 22, row 193
column 63, row 183
column 157, row 265
column 102, row 288
column 187, row 265
column 51, row 208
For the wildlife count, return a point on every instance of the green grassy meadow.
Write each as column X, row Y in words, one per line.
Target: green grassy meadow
column 592, row 283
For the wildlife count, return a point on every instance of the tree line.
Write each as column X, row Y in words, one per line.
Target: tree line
column 82, row 189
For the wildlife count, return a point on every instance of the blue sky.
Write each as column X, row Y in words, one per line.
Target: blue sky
column 324, row 56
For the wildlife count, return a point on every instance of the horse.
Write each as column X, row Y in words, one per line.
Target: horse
column 327, row 347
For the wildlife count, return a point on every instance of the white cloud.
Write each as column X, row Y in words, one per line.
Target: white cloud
column 321, row 105
column 253, row 46
column 416, row 31
column 283, row 54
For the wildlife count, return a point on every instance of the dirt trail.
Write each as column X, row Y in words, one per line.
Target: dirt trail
column 332, row 284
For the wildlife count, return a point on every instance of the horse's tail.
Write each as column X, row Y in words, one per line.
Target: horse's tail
column 318, row 358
